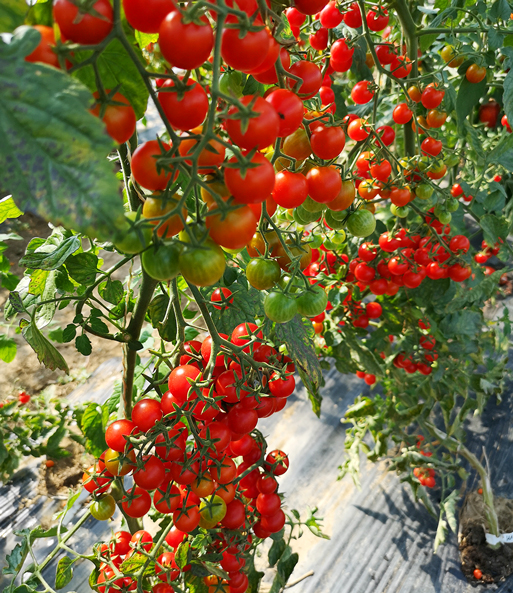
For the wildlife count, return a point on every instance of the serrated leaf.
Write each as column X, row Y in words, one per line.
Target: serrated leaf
column 8, row 209
column 162, row 317
column 502, row 154
column 116, row 70
column 301, row 349
column 51, row 261
column 47, row 354
column 91, row 425
column 64, row 572
column 68, row 333
column 62, row 174
column 83, row 268
column 16, row 558
column 182, row 555
column 441, row 533
column 7, row 348
column 494, row 228
column 112, row 291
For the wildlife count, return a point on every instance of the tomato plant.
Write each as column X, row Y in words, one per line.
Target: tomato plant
column 316, row 196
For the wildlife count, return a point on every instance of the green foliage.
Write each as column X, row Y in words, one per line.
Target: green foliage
column 62, row 175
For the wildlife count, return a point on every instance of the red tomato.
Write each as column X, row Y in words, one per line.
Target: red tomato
column 147, row 15
column 246, row 53
column 233, row 230
column 116, row 432
column 151, row 475
column 290, row 189
column 118, row 116
column 361, row 93
column 144, row 166
column 146, row 413
column 324, row 184
column 185, row 46
column 184, row 110
column 83, row 27
column 311, row 75
column 289, row 108
column 262, row 129
column 327, row 142
column 137, row 502
column 253, row 186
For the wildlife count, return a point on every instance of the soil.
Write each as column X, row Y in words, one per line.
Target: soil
column 496, row 565
column 65, row 474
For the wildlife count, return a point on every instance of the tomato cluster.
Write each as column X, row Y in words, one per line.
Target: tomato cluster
column 425, row 475
column 207, row 470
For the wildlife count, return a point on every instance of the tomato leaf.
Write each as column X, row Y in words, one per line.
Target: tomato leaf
column 64, row 572
column 7, row 348
column 494, row 228
column 52, row 156
column 301, row 349
column 37, row 260
column 12, row 14
column 8, row 209
column 47, row 354
column 461, row 323
column 468, row 96
column 502, row 154
column 116, row 70
column 112, row 291
column 286, row 566
column 83, row 345
column 91, row 426
column 276, row 551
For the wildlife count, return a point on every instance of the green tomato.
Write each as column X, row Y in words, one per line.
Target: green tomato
column 328, row 243
column 161, row 262
column 338, row 214
column 361, row 223
column 312, row 205
column 103, row 508
column 135, row 239
column 312, row 302
column 212, row 510
column 296, row 215
column 203, row 265
column 279, row 307
column 306, row 215
column 452, row 160
column 445, row 217
column 399, row 211
column 424, row 191
column 333, row 222
column 262, row 273
column 316, row 242
column 452, row 205
column 339, row 237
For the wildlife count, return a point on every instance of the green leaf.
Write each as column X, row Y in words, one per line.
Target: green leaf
column 112, row 291
column 449, row 506
column 69, row 333
column 301, row 349
column 53, row 152
column 64, row 572
column 182, row 555
column 493, row 228
column 40, row 14
column 144, row 39
column 134, row 564
column 495, row 39
column 286, row 566
column 116, row 70
column 38, row 260
column 91, row 426
column 426, row 41
column 502, row 154
column 507, row 97
column 17, row 557
column 162, row 317
column 53, row 443
column 47, row 354
column 8, row 209
column 276, row 551
column 475, row 140
column 461, row 323
column 7, row 348
column 468, row 96
column 247, row 304
column 441, row 533
column 83, row 268
column 83, row 345
column 12, row 14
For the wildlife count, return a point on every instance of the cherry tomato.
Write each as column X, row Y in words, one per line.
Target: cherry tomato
column 82, row 27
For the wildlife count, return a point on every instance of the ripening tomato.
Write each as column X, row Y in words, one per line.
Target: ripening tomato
column 184, row 108
column 156, row 207
column 353, row 17
column 116, row 433
column 43, row 52
column 331, row 16
column 261, row 131
column 475, row 73
column 234, row 229
column 401, row 66
column 188, row 519
column 319, row 39
column 435, row 118
column 147, row 15
column 387, row 135
column 220, row 295
column 432, row 96
column 185, row 45
column 381, row 170
column 210, row 157
column 345, row 197
column 400, row 196
column 431, row 146
column 83, row 27
column 117, row 115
